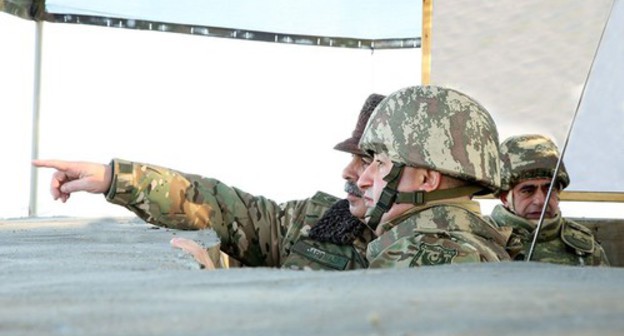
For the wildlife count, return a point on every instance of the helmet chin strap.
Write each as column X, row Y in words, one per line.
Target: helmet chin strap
column 510, row 201
column 390, row 195
column 387, row 198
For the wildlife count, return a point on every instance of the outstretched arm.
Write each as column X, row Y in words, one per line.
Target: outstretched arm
column 251, row 228
column 76, row 176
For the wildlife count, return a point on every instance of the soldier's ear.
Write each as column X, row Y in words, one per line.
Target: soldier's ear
column 503, row 197
column 431, row 180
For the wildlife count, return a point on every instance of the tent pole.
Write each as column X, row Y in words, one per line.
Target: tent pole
column 427, row 13
column 32, row 208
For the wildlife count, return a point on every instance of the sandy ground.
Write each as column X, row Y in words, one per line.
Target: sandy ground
column 121, row 277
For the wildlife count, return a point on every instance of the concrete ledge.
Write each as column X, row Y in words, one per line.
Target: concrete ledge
column 109, row 277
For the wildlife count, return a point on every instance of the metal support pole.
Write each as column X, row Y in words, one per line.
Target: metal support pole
column 32, row 207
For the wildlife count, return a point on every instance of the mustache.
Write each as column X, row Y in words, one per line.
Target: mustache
column 352, row 188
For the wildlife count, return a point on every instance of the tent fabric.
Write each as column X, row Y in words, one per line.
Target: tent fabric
column 595, row 146
column 370, row 24
column 528, row 62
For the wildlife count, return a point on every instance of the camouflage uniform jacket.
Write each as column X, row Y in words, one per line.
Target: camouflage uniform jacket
column 437, row 234
column 561, row 241
column 253, row 230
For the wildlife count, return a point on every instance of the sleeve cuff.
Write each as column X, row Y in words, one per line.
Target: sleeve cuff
column 121, row 180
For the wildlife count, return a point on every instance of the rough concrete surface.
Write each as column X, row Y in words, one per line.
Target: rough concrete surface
column 68, row 276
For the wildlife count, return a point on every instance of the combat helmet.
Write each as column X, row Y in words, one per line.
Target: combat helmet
column 530, row 156
column 435, row 128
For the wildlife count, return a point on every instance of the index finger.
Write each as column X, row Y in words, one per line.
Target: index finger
column 56, row 164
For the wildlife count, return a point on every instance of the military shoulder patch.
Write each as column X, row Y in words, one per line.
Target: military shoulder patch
column 433, row 254
column 324, row 199
column 577, row 237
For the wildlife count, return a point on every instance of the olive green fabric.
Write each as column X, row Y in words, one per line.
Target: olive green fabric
column 307, row 253
column 561, row 241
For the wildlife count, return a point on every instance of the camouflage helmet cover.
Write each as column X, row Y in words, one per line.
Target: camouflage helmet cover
column 436, row 128
column 530, row 156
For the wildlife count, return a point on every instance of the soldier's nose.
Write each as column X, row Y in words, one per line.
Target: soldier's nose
column 539, row 197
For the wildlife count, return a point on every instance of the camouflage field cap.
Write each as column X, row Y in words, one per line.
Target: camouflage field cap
column 436, row 128
column 350, row 145
column 530, row 156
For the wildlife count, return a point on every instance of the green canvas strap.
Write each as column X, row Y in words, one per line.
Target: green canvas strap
column 388, row 196
column 420, row 197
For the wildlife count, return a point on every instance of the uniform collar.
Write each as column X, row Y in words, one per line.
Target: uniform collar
column 549, row 230
column 469, row 205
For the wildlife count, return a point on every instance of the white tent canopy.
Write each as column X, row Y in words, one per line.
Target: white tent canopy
column 145, row 91
column 371, row 24
column 528, row 63
column 365, row 19
column 259, row 116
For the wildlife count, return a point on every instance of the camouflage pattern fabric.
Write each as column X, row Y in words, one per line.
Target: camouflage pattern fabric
column 530, row 156
column 444, row 233
column 253, row 230
column 561, row 241
column 436, row 128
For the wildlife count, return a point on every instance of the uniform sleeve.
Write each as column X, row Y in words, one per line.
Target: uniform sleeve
column 251, row 228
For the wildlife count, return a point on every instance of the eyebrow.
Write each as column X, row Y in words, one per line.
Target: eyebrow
column 545, row 184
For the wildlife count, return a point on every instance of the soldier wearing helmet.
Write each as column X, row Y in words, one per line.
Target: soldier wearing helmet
column 321, row 232
column 528, row 164
column 433, row 148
